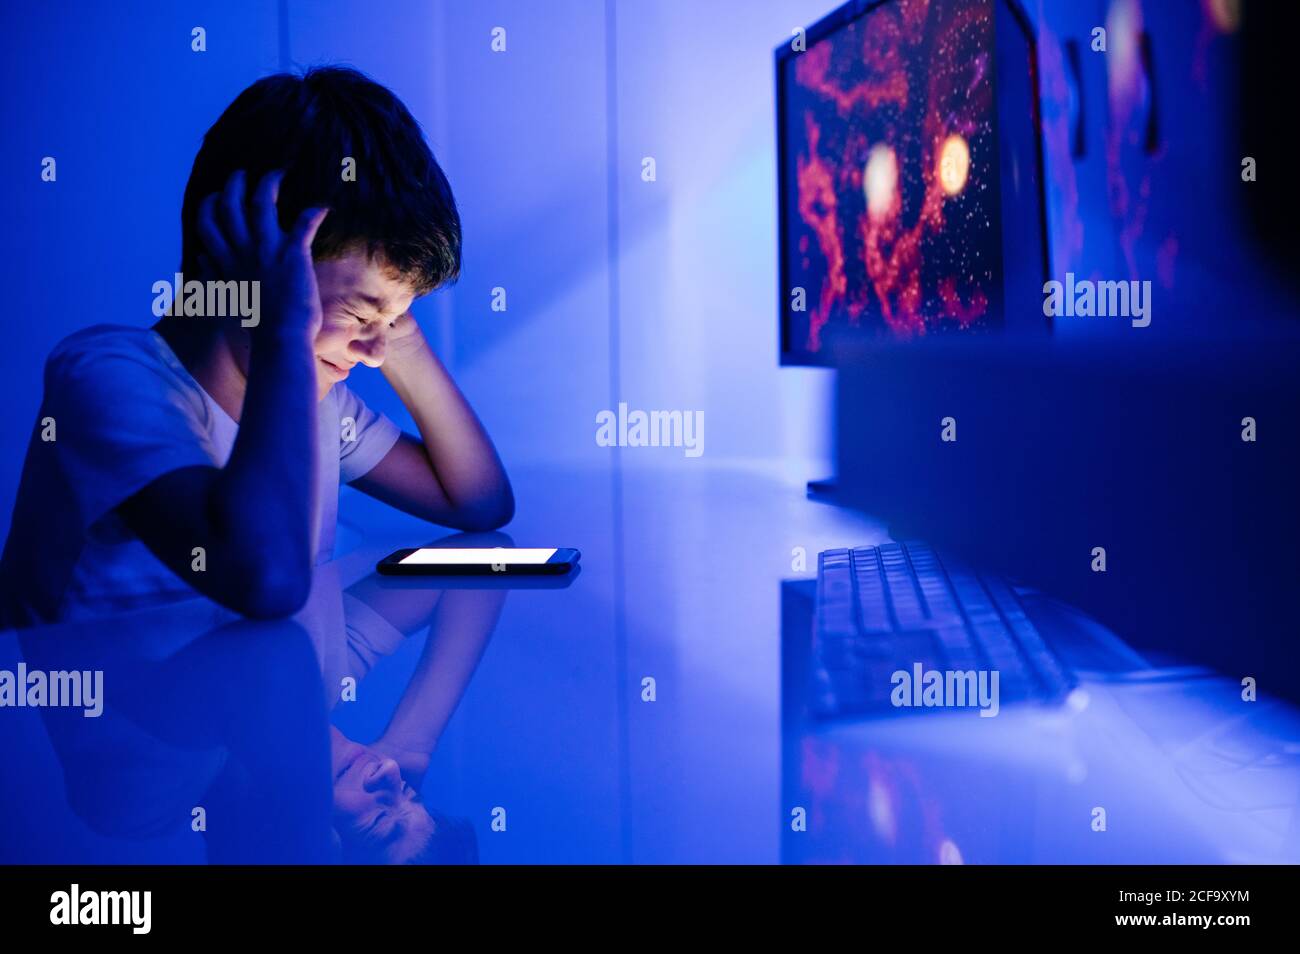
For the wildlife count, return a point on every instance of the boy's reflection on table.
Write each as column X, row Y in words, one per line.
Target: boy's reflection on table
column 224, row 715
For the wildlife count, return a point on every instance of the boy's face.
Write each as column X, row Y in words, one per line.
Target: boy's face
column 364, row 308
column 376, row 814
column 361, row 302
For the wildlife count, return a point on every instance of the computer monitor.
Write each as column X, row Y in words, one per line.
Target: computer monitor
column 910, row 175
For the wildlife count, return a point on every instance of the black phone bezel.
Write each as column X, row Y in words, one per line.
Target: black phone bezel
column 561, row 561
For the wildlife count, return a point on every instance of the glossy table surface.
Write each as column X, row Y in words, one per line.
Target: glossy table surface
column 633, row 712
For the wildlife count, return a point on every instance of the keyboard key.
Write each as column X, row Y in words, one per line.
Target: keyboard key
column 872, row 602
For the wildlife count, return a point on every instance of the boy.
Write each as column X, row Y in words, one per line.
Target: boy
column 206, row 452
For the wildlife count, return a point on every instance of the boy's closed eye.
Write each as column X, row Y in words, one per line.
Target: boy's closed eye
column 365, row 320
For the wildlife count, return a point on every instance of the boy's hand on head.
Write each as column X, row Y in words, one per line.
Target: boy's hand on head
column 245, row 242
column 405, row 340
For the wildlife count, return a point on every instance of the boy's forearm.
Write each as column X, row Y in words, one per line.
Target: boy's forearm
column 462, row 625
column 463, row 461
column 269, row 481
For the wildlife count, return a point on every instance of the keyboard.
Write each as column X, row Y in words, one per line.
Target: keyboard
column 886, row 610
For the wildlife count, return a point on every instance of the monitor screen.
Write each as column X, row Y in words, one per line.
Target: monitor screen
column 890, row 214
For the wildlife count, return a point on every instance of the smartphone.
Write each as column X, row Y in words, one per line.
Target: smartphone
column 473, row 561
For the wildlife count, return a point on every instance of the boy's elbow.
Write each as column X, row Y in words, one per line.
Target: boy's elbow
column 494, row 516
column 501, row 515
column 481, row 522
column 270, row 603
column 486, row 517
column 273, row 591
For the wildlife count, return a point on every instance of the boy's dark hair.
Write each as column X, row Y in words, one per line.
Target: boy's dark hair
column 400, row 205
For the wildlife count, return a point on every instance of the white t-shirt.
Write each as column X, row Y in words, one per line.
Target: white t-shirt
column 123, row 411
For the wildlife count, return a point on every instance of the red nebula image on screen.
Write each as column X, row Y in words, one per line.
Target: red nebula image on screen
column 889, row 138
